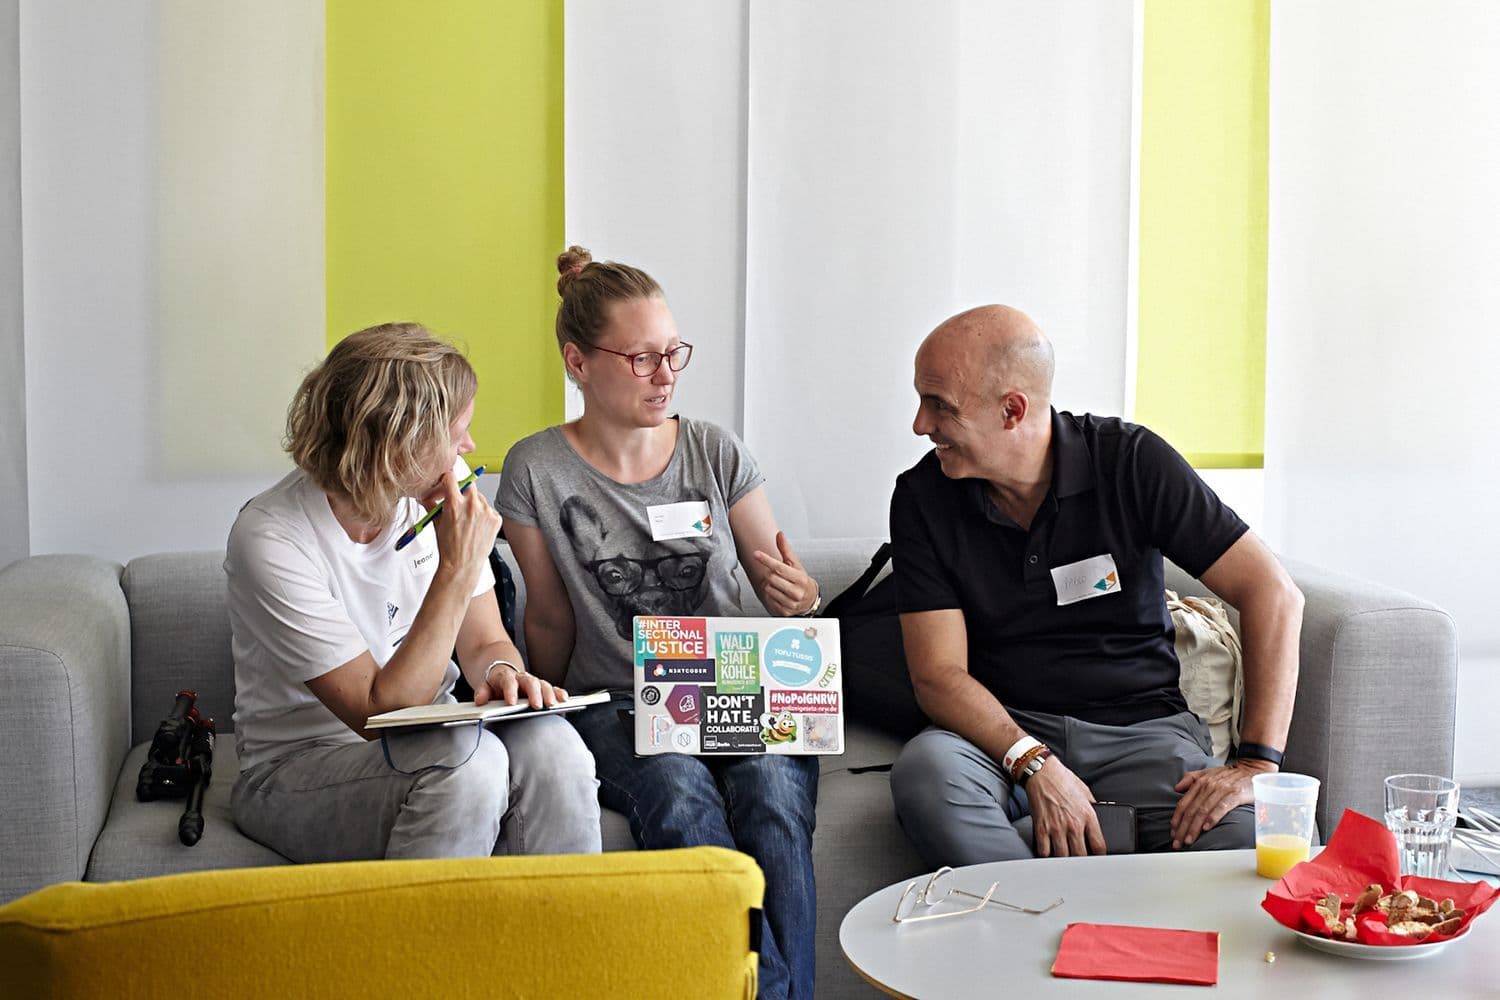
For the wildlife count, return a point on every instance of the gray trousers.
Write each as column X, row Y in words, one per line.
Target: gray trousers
column 960, row 807
column 528, row 788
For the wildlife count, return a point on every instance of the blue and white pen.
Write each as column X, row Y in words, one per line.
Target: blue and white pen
column 411, row 533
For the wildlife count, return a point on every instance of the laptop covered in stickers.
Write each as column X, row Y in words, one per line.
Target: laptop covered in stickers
column 711, row 686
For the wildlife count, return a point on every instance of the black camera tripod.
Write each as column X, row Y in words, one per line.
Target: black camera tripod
column 180, row 763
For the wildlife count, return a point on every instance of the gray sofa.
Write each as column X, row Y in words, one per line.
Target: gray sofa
column 91, row 655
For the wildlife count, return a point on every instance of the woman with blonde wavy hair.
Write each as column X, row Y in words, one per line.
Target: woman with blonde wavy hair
column 332, row 623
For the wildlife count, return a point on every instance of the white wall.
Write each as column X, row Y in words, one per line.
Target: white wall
column 1244, row 490
column 1382, row 353
column 147, row 293
column 15, row 538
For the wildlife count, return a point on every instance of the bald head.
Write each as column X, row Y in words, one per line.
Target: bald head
column 1001, row 347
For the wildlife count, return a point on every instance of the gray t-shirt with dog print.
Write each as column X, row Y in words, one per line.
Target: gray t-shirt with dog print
column 600, row 535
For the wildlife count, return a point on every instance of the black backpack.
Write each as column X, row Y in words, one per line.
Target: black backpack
column 877, row 685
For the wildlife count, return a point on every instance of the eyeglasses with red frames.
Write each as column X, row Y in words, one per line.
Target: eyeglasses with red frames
column 645, row 363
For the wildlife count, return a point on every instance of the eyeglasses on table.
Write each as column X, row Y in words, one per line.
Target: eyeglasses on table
column 939, row 889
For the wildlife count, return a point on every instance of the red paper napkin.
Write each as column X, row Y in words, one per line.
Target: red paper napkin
column 1138, row 954
column 1360, row 852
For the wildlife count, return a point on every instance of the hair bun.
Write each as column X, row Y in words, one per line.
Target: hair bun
column 570, row 264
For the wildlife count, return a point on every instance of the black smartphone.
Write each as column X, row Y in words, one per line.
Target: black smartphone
column 1117, row 823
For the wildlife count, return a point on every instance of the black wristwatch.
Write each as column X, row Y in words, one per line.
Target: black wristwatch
column 1258, row 751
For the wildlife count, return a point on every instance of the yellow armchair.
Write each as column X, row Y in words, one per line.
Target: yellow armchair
column 625, row 924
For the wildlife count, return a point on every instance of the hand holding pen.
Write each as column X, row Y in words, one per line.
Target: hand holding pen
column 432, row 514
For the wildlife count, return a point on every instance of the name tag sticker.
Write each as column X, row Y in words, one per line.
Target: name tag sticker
column 688, row 519
column 1086, row 578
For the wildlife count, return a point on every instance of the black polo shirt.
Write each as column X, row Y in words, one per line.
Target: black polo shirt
column 1117, row 490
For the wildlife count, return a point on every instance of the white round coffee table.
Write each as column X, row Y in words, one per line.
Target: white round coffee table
column 996, row 952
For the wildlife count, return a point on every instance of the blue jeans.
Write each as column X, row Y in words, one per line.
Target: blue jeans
column 760, row 804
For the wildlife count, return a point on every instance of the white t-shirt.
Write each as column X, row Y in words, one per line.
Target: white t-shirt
column 305, row 598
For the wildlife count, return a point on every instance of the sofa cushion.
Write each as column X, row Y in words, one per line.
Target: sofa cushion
column 140, row 838
column 179, row 638
column 858, row 848
column 614, row 830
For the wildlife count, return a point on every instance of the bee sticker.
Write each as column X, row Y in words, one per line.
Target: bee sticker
column 777, row 729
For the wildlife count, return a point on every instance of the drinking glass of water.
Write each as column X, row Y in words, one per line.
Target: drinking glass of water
column 1420, row 810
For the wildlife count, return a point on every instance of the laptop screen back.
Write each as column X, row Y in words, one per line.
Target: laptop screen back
column 713, row 686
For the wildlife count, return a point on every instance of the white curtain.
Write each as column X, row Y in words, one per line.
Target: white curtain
column 852, row 250
column 239, row 224
column 907, row 161
column 1382, row 357
column 818, row 185
column 172, row 241
column 654, row 157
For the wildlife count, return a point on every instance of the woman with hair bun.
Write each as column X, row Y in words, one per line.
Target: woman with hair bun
column 331, row 624
column 575, row 499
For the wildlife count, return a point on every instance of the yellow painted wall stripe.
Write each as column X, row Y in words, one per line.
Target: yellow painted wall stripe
column 1225, row 460
column 444, row 166
column 1205, row 112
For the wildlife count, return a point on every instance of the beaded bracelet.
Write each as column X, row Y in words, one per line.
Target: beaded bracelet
column 1019, row 767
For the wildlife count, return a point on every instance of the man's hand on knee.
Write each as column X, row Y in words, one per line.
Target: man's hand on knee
column 1208, row 795
column 1063, row 821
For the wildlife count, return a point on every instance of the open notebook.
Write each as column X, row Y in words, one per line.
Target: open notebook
column 457, row 713
column 738, row 685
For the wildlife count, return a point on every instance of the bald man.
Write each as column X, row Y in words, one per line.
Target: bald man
column 1028, row 551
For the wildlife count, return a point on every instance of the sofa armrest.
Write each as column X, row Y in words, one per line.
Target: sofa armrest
column 64, row 713
column 1377, row 692
column 1378, row 680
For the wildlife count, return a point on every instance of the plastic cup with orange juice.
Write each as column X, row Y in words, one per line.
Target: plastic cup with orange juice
column 1276, row 853
column 1285, row 814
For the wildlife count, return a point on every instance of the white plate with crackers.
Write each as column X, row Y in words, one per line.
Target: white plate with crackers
column 1408, row 915
column 1377, row 952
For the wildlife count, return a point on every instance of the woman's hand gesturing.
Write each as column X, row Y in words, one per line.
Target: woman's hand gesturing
column 786, row 589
